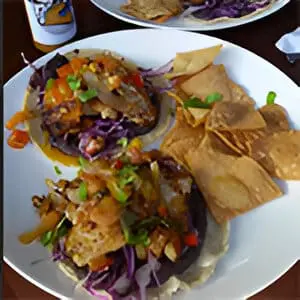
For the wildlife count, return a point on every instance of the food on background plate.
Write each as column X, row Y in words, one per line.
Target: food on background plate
column 84, row 103
column 157, row 10
column 205, row 11
column 133, row 226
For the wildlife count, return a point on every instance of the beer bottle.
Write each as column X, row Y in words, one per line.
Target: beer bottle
column 52, row 23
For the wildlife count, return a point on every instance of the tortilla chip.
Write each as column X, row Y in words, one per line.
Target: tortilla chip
column 279, row 154
column 194, row 116
column 181, row 138
column 213, row 79
column 152, row 9
column 228, row 116
column 276, row 117
column 231, row 184
column 241, row 142
column 238, row 94
column 188, row 63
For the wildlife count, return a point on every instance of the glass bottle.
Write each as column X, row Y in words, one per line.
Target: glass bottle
column 52, row 22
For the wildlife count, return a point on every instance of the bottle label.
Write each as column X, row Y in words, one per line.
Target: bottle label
column 52, row 22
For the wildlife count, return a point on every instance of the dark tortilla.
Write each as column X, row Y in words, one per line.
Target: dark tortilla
column 198, row 216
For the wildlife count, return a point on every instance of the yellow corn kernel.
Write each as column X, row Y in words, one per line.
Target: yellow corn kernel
column 136, row 143
column 93, row 67
column 114, row 82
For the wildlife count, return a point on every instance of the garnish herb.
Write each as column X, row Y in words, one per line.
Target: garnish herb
column 117, row 192
column 82, row 161
column 57, row 170
column 87, row 95
column 73, row 82
column 128, row 170
column 271, row 98
column 127, row 175
column 50, row 83
column 140, row 237
column 123, row 142
column 195, row 102
column 83, row 191
column 124, row 181
column 214, row 97
column 50, row 237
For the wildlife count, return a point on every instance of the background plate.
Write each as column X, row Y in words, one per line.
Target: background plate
column 112, row 7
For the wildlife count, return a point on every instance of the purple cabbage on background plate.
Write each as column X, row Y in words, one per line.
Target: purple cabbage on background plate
column 213, row 9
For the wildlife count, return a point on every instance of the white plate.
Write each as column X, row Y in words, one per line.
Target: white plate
column 112, row 7
column 265, row 243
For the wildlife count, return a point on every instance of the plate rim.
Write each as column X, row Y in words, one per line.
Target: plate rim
column 202, row 26
column 132, row 31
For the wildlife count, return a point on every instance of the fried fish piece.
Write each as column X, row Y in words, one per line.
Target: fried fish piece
column 181, row 138
column 152, row 9
column 86, row 242
column 231, row 184
column 241, row 141
column 279, row 154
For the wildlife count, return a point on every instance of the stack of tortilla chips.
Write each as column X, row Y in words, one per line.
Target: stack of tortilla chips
column 232, row 149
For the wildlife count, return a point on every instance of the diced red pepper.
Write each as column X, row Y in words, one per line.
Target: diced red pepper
column 18, row 139
column 118, row 164
column 191, row 240
column 57, row 95
column 77, row 62
column 64, row 87
column 162, row 211
column 136, row 79
column 64, row 71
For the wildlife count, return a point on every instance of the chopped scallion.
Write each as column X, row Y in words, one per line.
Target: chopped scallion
column 87, row 95
column 271, row 98
column 83, row 191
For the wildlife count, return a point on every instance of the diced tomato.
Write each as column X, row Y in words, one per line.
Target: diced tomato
column 64, row 88
column 77, row 62
column 17, row 118
column 118, row 164
column 18, row 139
column 64, row 71
column 162, row 211
column 191, row 240
column 137, row 80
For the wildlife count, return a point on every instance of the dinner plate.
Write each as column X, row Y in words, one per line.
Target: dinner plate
column 112, row 7
column 264, row 243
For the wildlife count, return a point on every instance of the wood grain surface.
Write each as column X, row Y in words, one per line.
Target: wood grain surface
column 258, row 37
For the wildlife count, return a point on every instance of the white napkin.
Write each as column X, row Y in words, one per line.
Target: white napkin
column 290, row 42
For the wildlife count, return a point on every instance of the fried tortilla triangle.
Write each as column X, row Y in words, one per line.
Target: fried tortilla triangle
column 229, row 116
column 188, row 63
column 241, row 142
column 279, row 154
column 181, row 138
column 231, row 184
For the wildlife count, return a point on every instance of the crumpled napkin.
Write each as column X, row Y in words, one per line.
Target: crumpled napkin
column 290, row 42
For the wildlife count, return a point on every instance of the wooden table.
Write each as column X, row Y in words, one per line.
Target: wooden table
column 258, row 37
